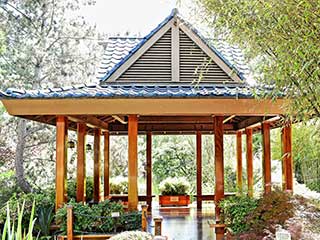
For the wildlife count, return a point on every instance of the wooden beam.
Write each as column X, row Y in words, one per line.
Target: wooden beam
column 120, row 119
column 174, row 119
column 61, row 160
column 249, row 122
column 266, row 158
column 147, row 106
column 133, row 163
column 287, row 160
column 106, row 151
column 91, row 121
column 199, row 168
column 239, row 161
column 167, row 127
column 228, row 118
column 149, row 170
column 81, row 163
column 219, row 166
column 249, row 162
column 96, row 167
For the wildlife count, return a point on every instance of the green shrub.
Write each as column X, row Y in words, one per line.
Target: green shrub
column 72, row 189
column 174, row 186
column 119, row 185
column 235, row 209
column 98, row 218
column 132, row 235
column 8, row 186
column 42, row 200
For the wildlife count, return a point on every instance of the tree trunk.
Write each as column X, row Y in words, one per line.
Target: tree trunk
column 21, row 142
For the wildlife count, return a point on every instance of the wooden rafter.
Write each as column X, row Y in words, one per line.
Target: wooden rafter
column 229, row 118
column 91, row 121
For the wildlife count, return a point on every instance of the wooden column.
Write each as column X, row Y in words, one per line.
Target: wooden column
column 199, row 170
column 266, row 158
column 81, row 162
column 287, row 161
column 249, row 162
column 61, row 160
column 96, row 165
column 239, row 161
column 133, row 162
column 149, row 170
column 106, row 150
column 219, row 166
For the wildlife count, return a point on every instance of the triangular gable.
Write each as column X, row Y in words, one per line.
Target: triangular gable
column 173, row 52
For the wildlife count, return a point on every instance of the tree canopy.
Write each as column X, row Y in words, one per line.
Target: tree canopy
column 281, row 39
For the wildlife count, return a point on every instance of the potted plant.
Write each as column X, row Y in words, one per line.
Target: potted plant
column 174, row 192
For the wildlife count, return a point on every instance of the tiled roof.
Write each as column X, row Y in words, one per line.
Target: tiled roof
column 126, row 91
column 119, row 49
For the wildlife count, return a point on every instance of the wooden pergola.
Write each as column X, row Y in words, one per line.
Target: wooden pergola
column 151, row 91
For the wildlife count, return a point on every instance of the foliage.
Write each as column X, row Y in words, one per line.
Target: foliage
column 98, row 218
column 8, row 186
column 281, row 38
column 174, row 186
column 132, row 235
column 230, row 179
column 41, row 200
column 305, row 151
column 118, row 185
column 14, row 229
column 72, row 189
column 235, row 209
column 45, row 216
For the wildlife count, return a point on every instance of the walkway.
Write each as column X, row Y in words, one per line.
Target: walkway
column 185, row 223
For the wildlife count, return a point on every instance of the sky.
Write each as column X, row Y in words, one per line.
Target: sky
column 133, row 16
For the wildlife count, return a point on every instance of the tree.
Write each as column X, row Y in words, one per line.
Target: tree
column 281, row 38
column 47, row 45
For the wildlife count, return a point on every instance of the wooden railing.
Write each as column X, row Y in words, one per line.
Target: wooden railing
column 70, row 232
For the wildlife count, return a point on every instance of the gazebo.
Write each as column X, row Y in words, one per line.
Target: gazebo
column 172, row 81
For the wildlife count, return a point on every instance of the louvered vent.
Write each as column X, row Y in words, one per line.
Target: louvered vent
column 197, row 66
column 154, row 65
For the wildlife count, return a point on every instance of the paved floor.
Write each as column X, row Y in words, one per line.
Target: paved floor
column 185, row 223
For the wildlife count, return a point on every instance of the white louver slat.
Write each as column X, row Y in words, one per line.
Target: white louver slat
column 154, row 65
column 196, row 66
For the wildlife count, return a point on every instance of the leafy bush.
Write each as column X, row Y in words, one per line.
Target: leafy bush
column 98, row 218
column 45, row 216
column 42, row 200
column 132, row 235
column 174, row 186
column 234, row 211
column 118, row 185
column 72, row 189
column 8, row 186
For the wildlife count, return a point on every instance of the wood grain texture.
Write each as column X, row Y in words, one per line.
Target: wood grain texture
column 249, row 162
column 81, row 163
column 266, row 157
column 199, row 167
column 219, row 165
column 96, row 165
column 239, row 161
column 287, row 160
column 61, row 160
column 106, row 166
column 149, row 170
column 69, row 223
column 133, row 162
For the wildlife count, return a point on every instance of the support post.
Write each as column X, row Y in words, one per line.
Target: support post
column 149, row 171
column 106, row 174
column 61, row 160
column 133, row 162
column 96, row 167
column 199, row 170
column 266, row 158
column 249, row 162
column 287, row 161
column 219, row 166
column 158, row 226
column 81, row 163
column 69, row 223
column 239, row 161
column 144, row 222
